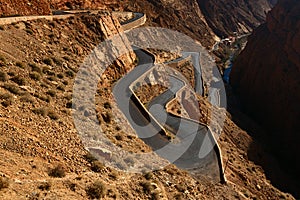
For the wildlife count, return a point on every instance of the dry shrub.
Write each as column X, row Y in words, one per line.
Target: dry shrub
column 57, row 172
column 90, row 157
column 4, row 183
column 19, row 80
column 35, row 76
column 3, row 76
column 13, row 88
column 53, row 115
column 44, row 186
column 97, row 166
column 96, row 190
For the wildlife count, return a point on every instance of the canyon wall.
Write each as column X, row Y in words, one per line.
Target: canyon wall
column 266, row 77
column 226, row 16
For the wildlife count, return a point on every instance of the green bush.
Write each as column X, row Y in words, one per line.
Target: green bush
column 96, row 190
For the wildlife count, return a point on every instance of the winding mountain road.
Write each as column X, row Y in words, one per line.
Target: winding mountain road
column 192, row 138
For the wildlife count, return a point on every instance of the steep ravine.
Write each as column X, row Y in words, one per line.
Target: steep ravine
column 266, row 77
column 226, row 17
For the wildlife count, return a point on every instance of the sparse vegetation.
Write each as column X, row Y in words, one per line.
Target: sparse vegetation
column 107, row 105
column 147, row 187
column 4, row 183
column 90, row 158
column 70, row 74
column 60, row 76
column 35, row 76
column 21, row 65
column 44, row 186
column 48, row 71
column 2, row 61
column 19, row 80
column 148, row 175
column 96, row 190
column 53, row 115
column 52, row 78
column 52, row 93
column 119, row 137
column 40, row 111
column 107, row 117
column 13, row 88
column 27, row 98
column 42, row 97
column 29, row 31
column 3, row 76
column 97, row 166
column 71, row 185
column 47, row 61
column 65, row 82
column 69, row 104
column 61, row 87
column 57, row 172
column 57, row 61
column 35, row 68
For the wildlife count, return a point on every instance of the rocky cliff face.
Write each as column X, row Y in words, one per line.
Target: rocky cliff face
column 86, row 4
column 182, row 16
column 24, row 7
column 266, row 76
column 226, row 16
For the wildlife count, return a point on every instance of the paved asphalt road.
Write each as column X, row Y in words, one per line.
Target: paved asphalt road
column 184, row 151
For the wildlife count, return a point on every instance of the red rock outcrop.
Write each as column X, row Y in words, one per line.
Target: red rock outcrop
column 266, row 77
column 24, row 7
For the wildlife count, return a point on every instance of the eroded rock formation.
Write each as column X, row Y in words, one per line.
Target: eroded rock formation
column 266, row 77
